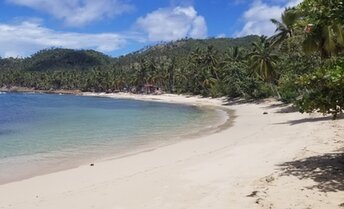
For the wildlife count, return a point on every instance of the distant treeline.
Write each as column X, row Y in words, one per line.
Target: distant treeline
column 204, row 67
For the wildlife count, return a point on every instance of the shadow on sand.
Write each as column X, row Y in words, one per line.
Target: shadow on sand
column 280, row 106
column 283, row 108
column 237, row 101
column 326, row 170
column 308, row 120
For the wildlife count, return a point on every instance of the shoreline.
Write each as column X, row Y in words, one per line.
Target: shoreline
column 225, row 121
column 17, row 89
column 236, row 168
column 198, row 101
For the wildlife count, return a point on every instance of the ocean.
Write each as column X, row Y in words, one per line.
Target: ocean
column 41, row 133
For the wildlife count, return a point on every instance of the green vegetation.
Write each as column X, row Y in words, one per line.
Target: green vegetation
column 323, row 89
column 302, row 63
column 66, row 59
column 207, row 67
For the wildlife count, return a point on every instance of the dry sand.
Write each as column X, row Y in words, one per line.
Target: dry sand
column 277, row 160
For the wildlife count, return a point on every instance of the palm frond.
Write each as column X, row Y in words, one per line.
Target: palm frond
column 329, row 44
column 339, row 32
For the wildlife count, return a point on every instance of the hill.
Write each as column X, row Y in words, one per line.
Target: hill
column 58, row 59
column 66, row 59
column 180, row 49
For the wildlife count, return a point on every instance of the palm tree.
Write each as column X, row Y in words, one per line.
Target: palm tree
column 285, row 27
column 171, row 75
column 194, row 70
column 323, row 21
column 235, row 54
column 211, row 62
column 327, row 39
column 263, row 60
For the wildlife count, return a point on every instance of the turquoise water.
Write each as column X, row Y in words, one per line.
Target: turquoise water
column 42, row 133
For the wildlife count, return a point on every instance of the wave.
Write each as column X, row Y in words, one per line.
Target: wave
column 2, row 92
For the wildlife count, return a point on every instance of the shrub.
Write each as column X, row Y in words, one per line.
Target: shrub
column 323, row 90
column 287, row 88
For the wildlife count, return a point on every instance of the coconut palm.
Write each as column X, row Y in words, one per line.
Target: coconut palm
column 263, row 60
column 327, row 39
column 285, row 27
column 323, row 21
column 235, row 54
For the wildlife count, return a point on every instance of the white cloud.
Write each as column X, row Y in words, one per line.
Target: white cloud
column 257, row 17
column 27, row 37
column 77, row 12
column 292, row 3
column 167, row 24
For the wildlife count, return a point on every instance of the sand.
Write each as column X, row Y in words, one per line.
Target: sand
column 277, row 160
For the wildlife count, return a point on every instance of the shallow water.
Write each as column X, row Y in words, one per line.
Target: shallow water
column 42, row 133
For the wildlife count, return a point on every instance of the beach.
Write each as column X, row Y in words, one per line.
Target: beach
column 270, row 157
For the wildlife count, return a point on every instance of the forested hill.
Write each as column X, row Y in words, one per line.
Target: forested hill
column 57, row 59
column 181, row 49
column 67, row 59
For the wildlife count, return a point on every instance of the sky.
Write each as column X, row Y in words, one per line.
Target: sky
column 118, row 27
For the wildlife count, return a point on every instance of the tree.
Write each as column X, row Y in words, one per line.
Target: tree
column 236, row 54
column 323, row 26
column 285, row 27
column 323, row 90
column 263, row 61
column 327, row 39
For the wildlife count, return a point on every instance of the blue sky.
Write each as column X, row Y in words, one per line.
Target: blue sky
column 117, row 27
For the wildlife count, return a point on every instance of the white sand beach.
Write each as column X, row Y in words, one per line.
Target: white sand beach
column 282, row 159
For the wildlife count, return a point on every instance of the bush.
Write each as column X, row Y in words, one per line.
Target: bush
column 323, row 90
column 217, row 89
column 287, row 88
column 261, row 90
